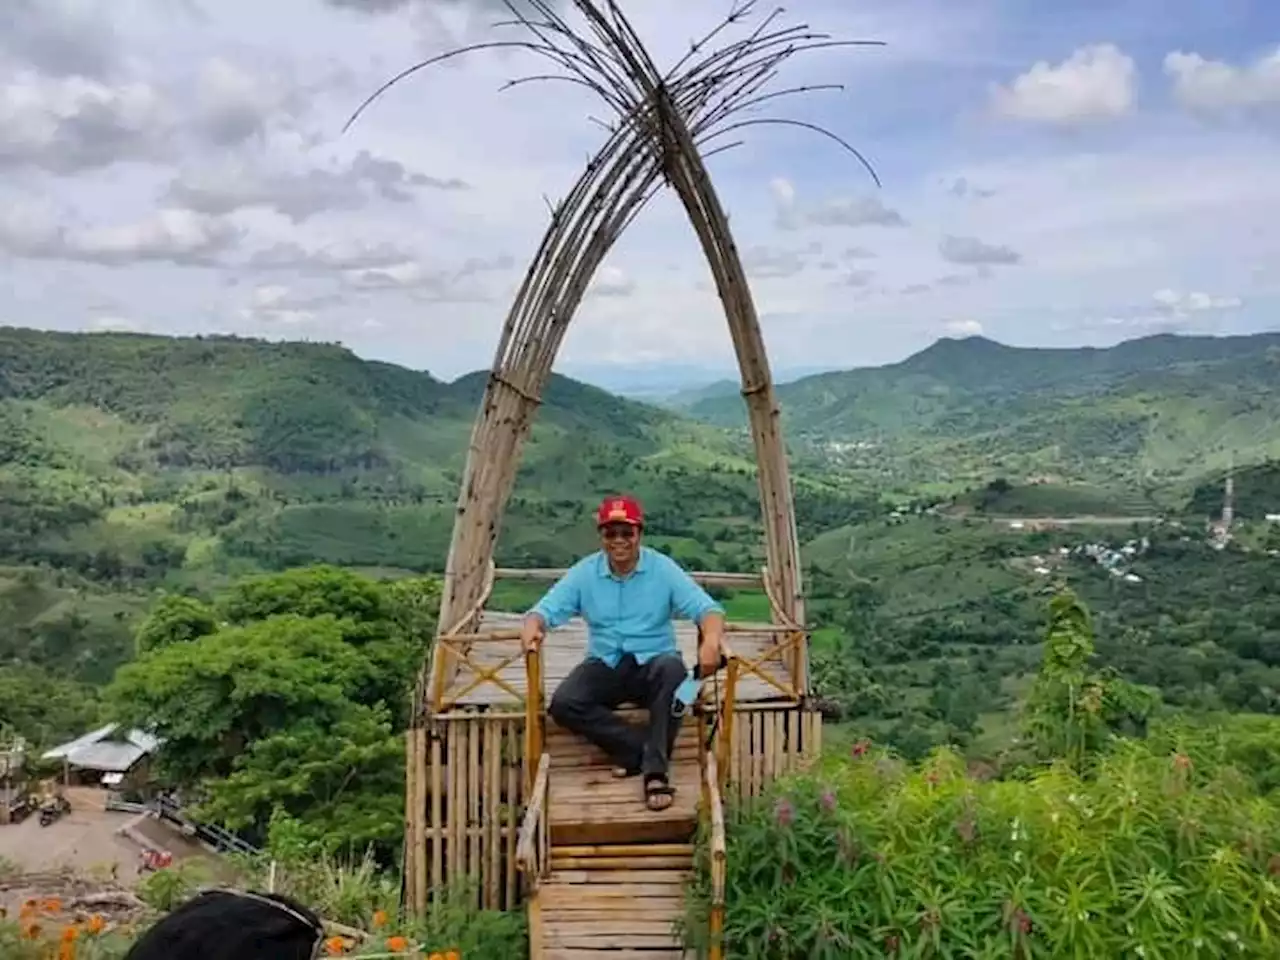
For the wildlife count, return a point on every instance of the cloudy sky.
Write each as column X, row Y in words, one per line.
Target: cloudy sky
column 1053, row 174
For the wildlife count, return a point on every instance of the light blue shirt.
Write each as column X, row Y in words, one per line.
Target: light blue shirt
column 630, row 614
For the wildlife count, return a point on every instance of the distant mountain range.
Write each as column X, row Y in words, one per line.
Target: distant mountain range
column 1157, row 407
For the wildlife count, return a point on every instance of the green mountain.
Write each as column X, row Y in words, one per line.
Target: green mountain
column 1154, row 410
column 124, row 455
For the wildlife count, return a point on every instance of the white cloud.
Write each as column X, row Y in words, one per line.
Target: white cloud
column 300, row 194
column 1181, row 304
column 59, row 37
column 971, row 251
column 73, row 123
column 963, row 328
column 1213, row 87
column 611, row 281
column 1096, row 82
column 173, row 235
column 107, row 323
column 860, row 211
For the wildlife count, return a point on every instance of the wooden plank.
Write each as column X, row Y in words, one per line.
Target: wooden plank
column 537, row 946
column 626, row 850
column 437, row 815
column 557, row 941
column 413, row 854
column 454, row 811
column 707, row 578
column 493, row 796
column 618, row 863
column 585, row 878
column 515, row 740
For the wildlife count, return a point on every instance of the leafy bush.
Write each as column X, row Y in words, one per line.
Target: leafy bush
column 43, row 931
column 1152, row 855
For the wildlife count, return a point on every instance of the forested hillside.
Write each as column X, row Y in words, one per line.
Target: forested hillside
column 132, row 464
column 1152, row 411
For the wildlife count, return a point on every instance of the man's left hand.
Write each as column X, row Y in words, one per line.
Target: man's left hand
column 711, row 644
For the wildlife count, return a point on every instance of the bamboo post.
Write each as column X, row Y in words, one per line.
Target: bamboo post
column 533, row 714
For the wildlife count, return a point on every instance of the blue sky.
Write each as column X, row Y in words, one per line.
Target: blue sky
column 1053, row 174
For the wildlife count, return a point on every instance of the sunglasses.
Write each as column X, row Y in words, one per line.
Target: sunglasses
column 620, row 531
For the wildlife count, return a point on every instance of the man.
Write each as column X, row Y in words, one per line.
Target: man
column 628, row 594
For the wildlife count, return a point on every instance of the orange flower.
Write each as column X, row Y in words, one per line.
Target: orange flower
column 96, row 924
column 452, row 955
column 69, row 933
column 397, row 944
column 31, row 931
column 51, row 905
column 436, row 956
column 379, row 918
column 67, row 951
column 335, row 946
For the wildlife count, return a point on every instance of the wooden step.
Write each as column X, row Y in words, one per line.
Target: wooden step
column 608, row 914
column 589, row 806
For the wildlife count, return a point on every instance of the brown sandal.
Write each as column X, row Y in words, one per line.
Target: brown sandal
column 658, row 793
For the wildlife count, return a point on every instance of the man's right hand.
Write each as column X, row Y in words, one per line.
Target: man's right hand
column 531, row 633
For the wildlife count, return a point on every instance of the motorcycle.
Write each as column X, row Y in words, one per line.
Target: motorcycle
column 53, row 809
column 149, row 861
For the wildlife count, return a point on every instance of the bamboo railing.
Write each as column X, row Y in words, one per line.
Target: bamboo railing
column 533, row 847
column 534, row 716
column 718, row 851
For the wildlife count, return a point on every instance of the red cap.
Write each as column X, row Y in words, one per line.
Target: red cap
column 620, row 510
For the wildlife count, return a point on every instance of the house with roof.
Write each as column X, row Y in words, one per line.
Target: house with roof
column 109, row 756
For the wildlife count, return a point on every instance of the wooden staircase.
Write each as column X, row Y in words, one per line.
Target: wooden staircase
column 607, row 875
column 610, row 902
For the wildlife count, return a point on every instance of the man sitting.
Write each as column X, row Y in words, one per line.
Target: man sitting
column 628, row 593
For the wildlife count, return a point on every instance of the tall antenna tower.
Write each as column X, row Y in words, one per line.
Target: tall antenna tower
column 1229, row 498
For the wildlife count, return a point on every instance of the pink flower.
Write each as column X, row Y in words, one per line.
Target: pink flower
column 783, row 812
column 828, row 800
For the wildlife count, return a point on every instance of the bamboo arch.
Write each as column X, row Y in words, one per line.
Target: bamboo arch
column 662, row 123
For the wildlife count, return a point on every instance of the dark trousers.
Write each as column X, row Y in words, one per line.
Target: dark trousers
column 586, row 700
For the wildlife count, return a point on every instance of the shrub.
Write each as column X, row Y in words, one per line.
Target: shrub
column 1151, row 855
column 42, row 930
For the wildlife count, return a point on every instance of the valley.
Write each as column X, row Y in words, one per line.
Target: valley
column 134, row 466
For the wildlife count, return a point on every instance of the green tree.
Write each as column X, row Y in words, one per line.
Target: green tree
column 174, row 618
column 1073, row 710
column 294, row 706
column 42, row 707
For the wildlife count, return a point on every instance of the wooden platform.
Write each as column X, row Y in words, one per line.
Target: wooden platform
column 565, row 647
column 588, row 805
column 609, row 914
